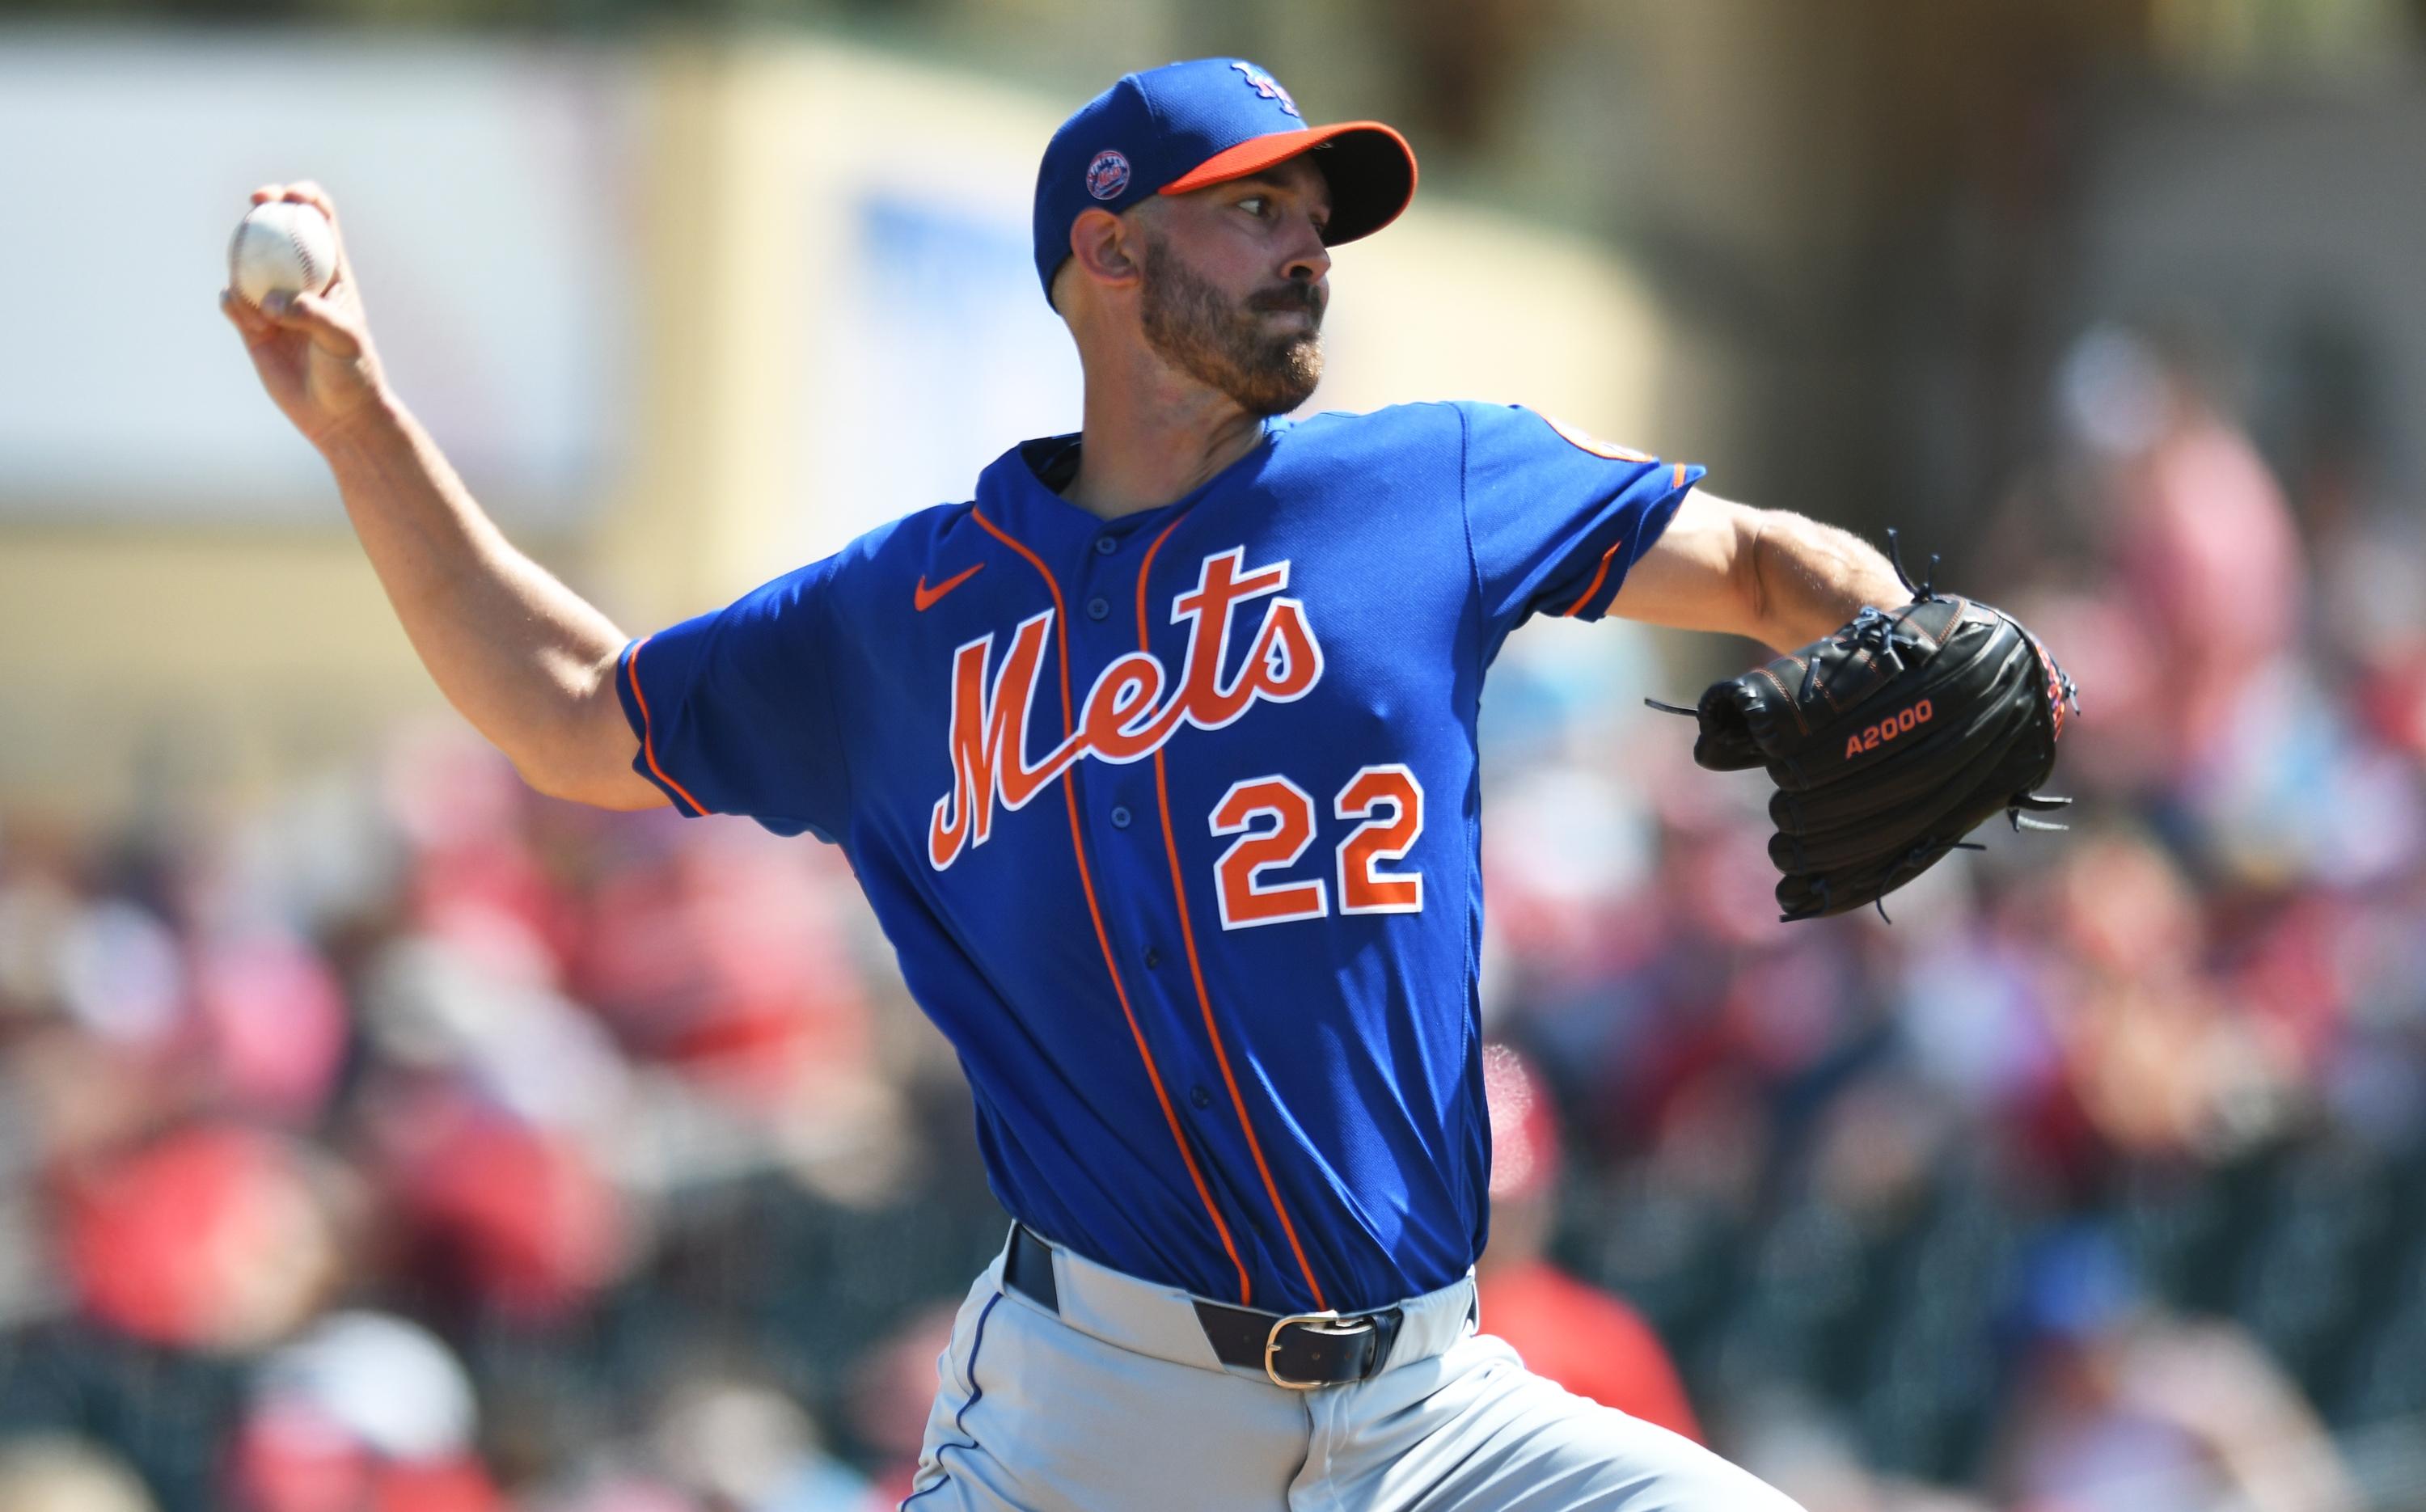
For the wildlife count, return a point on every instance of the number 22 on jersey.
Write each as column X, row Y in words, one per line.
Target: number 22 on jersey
column 1274, row 821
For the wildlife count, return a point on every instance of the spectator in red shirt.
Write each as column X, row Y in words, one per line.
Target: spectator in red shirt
column 1568, row 1331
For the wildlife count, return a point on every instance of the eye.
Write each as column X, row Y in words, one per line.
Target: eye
column 1254, row 204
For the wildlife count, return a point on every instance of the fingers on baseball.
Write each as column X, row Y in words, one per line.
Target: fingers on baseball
column 303, row 192
column 318, row 198
column 312, row 316
column 314, row 194
column 240, row 313
column 309, row 192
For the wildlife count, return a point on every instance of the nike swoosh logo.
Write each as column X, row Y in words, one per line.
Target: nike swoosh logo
column 925, row 597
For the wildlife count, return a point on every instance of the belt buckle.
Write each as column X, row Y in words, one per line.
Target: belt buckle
column 1325, row 1323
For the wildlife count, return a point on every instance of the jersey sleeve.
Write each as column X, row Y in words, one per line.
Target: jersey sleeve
column 1556, row 518
column 734, row 710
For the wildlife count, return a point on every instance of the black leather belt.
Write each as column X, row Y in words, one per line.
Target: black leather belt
column 1298, row 1350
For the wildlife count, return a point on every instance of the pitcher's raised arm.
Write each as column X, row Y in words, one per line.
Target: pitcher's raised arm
column 525, row 659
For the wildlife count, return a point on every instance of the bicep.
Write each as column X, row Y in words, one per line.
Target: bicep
column 1700, row 573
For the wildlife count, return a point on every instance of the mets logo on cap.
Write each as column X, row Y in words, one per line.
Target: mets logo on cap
column 1107, row 175
column 1270, row 88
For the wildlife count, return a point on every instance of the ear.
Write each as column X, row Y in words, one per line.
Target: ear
column 1105, row 248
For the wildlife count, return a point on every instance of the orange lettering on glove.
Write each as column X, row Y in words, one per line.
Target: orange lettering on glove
column 1903, row 722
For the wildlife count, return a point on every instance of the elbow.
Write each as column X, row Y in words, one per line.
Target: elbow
column 594, row 784
column 549, row 779
column 1755, row 601
column 618, row 792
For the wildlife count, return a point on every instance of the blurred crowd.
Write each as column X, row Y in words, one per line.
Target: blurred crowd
column 414, row 1143
column 422, row 1144
column 2094, row 1179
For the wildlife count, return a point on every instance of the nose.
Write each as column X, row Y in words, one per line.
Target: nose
column 1309, row 261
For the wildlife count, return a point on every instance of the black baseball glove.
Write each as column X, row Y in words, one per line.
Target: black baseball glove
column 1889, row 740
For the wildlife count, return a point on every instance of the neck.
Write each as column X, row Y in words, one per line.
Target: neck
column 1153, row 435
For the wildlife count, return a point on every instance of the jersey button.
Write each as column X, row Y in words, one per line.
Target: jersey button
column 1097, row 609
column 1106, row 545
column 1153, row 957
column 1200, row 1097
column 1120, row 817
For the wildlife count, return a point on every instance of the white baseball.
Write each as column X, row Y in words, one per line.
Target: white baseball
column 281, row 247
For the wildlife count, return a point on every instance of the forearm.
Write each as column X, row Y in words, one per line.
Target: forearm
column 1776, row 577
column 519, row 654
column 1804, row 579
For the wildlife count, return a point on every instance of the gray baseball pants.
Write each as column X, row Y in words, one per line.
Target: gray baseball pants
column 1120, row 1403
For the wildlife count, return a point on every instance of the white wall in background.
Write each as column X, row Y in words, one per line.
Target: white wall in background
column 485, row 190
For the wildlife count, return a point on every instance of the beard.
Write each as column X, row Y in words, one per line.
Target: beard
column 1225, row 344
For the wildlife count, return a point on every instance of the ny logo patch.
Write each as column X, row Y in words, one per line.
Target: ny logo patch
column 1268, row 87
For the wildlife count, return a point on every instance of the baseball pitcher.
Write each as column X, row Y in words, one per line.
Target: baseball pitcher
column 1156, row 760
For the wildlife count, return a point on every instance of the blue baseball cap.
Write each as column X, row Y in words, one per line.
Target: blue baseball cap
column 1186, row 125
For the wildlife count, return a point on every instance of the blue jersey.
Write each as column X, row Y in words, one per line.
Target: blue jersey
column 1173, row 819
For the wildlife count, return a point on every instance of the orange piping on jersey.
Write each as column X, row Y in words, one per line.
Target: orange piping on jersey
column 1103, row 938
column 648, row 742
column 1195, row 969
column 1602, row 576
column 1598, row 578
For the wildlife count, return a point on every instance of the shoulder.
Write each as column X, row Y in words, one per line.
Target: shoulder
column 891, row 555
column 1338, row 426
column 1401, row 434
column 913, row 534
column 1491, row 428
column 907, row 545
column 1430, row 415
column 1470, row 423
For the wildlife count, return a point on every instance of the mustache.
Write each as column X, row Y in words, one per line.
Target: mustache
column 1289, row 296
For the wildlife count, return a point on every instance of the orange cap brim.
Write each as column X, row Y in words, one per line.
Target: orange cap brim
column 1370, row 166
